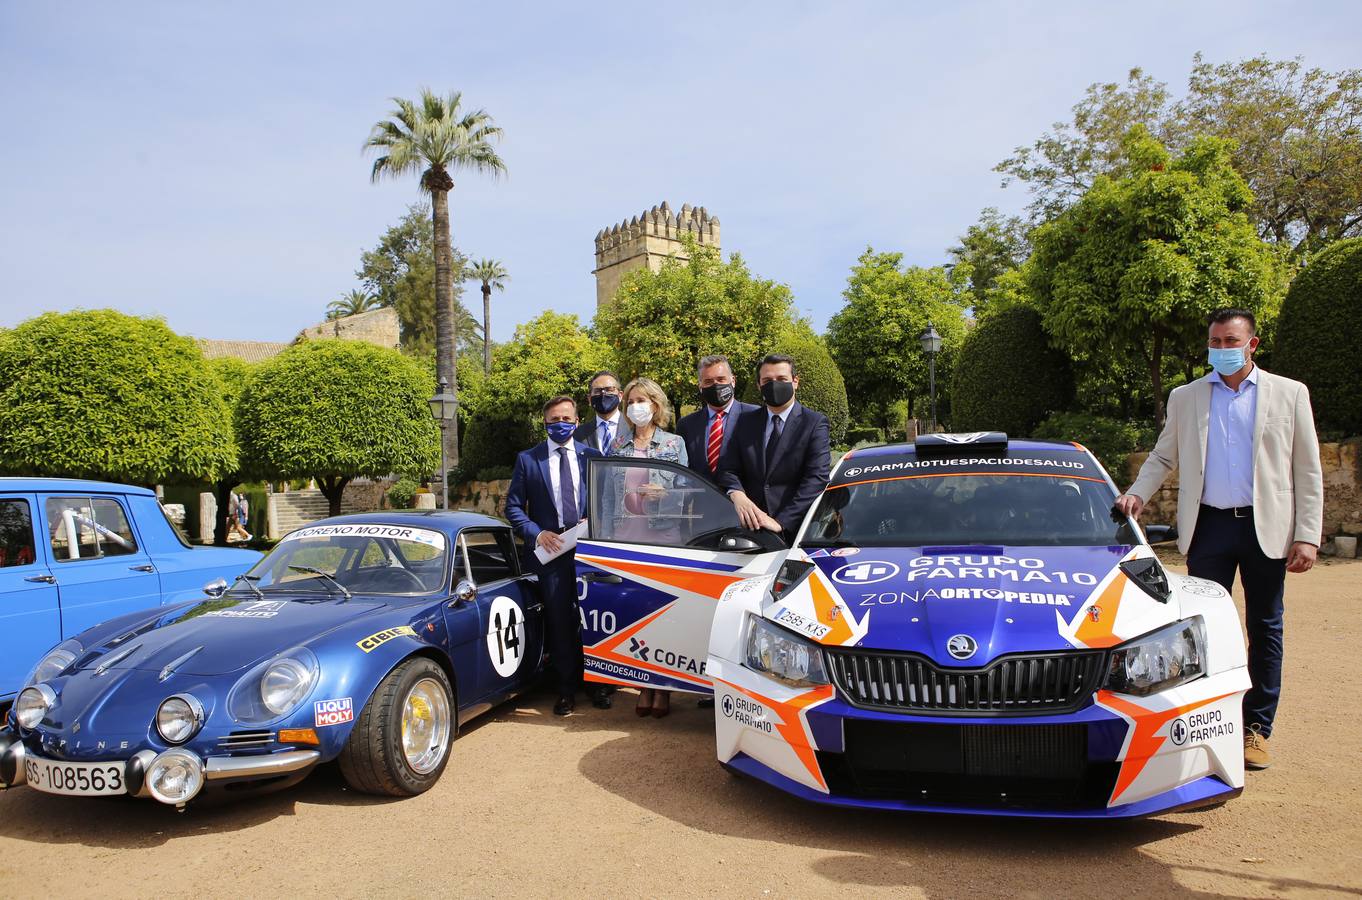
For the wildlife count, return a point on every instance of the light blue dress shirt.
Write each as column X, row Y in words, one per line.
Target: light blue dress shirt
column 1229, row 443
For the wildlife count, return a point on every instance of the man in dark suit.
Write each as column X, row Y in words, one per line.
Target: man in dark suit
column 777, row 462
column 709, row 430
column 603, row 393
column 546, row 498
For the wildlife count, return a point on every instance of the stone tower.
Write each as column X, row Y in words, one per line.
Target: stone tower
column 648, row 240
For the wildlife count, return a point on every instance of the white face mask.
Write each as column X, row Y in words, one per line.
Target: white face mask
column 640, row 413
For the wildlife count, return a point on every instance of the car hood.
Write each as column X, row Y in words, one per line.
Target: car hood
column 224, row 635
column 1004, row 600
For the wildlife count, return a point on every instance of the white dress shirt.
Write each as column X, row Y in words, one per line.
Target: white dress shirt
column 554, row 491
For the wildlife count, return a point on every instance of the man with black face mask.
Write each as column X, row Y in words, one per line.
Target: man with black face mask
column 709, row 430
column 777, row 463
column 603, row 392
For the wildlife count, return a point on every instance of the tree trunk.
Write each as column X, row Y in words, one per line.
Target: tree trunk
column 487, row 328
column 1156, row 374
column 445, row 337
column 222, row 492
column 333, row 488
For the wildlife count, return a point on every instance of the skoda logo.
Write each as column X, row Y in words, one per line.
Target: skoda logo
column 962, row 646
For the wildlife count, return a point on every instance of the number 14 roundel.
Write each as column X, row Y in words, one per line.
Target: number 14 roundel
column 505, row 636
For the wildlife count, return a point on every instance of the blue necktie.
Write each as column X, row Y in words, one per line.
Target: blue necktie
column 773, row 441
column 567, row 497
column 605, row 436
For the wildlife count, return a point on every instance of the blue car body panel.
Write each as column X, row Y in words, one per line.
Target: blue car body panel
column 46, row 598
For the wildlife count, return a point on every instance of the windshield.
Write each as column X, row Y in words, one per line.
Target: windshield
column 366, row 559
column 1002, row 509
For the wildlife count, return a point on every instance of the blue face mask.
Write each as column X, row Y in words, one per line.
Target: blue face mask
column 1226, row 360
column 560, row 432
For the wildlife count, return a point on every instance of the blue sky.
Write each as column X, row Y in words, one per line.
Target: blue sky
column 202, row 162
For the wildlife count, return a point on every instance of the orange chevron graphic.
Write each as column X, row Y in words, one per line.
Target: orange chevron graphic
column 791, row 726
column 1144, row 743
column 825, row 607
column 605, row 650
column 707, row 584
column 1099, row 634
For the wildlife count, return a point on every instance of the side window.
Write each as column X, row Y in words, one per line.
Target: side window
column 72, row 523
column 490, row 555
column 112, row 529
column 644, row 501
column 16, row 534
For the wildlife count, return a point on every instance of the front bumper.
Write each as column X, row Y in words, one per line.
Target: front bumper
column 1118, row 756
column 213, row 769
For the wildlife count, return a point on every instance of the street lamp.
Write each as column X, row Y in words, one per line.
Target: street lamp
column 444, row 406
column 931, row 345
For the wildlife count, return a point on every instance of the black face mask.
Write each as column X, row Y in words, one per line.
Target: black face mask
column 777, row 393
column 605, row 403
column 717, row 395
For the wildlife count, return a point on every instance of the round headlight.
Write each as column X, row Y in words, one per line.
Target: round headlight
column 175, row 776
column 179, row 718
column 284, row 684
column 33, row 704
column 56, row 662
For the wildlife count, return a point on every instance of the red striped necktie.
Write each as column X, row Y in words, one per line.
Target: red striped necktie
column 715, row 440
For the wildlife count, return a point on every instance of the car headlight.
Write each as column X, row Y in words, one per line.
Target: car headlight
column 1159, row 660
column 175, row 777
column 179, row 718
column 275, row 687
column 57, row 661
column 32, row 705
column 778, row 654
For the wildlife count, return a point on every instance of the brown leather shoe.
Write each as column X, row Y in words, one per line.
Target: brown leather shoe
column 1255, row 749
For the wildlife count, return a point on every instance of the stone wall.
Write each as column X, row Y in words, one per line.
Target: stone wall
column 1342, row 465
column 486, row 497
column 377, row 326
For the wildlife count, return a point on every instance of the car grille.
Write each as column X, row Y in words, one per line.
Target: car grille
column 980, row 765
column 1013, row 685
column 246, row 740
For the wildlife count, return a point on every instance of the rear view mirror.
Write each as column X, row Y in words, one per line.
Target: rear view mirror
column 464, row 592
column 216, row 588
column 737, row 544
column 1161, row 534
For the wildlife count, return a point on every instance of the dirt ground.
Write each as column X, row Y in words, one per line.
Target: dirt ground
column 604, row 803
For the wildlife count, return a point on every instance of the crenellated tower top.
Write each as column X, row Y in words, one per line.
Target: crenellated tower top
column 648, row 240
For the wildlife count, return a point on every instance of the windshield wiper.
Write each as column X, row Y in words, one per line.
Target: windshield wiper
column 249, row 581
column 313, row 570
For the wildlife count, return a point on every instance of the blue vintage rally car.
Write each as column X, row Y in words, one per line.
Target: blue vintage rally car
column 366, row 638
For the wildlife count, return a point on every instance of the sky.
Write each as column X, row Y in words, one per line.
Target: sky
column 204, row 162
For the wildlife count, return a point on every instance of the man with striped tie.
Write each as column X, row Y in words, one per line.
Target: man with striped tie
column 707, row 430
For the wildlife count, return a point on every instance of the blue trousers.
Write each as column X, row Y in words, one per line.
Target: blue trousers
column 562, row 622
column 1222, row 544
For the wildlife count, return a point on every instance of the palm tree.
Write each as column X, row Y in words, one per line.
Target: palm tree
column 350, row 304
column 492, row 274
column 433, row 137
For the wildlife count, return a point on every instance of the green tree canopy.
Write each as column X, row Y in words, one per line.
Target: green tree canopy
column 1133, row 268
column 983, row 395
column 992, row 247
column 351, row 303
column 333, row 410
column 661, row 323
column 1319, row 336
column 232, row 376
column 874, row 337
column 491, row 275
column 820, row 381
column 1297, row 134
column 99, row 394
column 400, row 272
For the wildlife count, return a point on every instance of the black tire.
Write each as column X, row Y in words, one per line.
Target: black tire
column 373, row 760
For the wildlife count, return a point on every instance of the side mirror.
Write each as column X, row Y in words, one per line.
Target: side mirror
column 737, row 544
column 215, row 588
column 1161, row 534
column 465, row 592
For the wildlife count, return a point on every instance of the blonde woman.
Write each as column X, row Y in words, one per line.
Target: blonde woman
column 646, row 507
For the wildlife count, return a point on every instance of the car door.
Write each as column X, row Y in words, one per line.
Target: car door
column 509, row 610
column 663, row 544
column 30, row 617
column 102, row 571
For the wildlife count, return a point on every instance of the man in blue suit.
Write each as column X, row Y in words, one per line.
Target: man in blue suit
column 777, row 464
column 708, row 430
column 546, row 498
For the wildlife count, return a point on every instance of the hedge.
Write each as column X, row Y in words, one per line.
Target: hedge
column 1007, row 378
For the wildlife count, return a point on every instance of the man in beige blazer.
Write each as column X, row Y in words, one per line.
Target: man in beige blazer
column 1250, row 495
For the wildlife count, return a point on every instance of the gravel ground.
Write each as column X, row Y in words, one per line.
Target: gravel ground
column 604, row 803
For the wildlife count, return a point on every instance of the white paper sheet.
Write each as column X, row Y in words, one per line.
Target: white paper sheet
column 569, row 539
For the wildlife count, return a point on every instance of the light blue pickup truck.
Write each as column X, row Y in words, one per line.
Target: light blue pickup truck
column 75, row 553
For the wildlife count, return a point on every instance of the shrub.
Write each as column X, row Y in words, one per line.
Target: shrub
column 401, row 494
column 863, row 434
column 491, row 443
column 821, row 386
column 1110, row 440
column 1319, row 335
column 1007, row 378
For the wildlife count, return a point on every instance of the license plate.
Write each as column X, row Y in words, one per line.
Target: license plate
column 81, row 779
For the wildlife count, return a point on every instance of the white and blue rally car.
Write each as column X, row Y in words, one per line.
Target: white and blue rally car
column 961, row 625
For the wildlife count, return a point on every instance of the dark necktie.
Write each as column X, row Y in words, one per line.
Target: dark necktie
column 715, row 441
column 567, row 497
column 773, row 441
